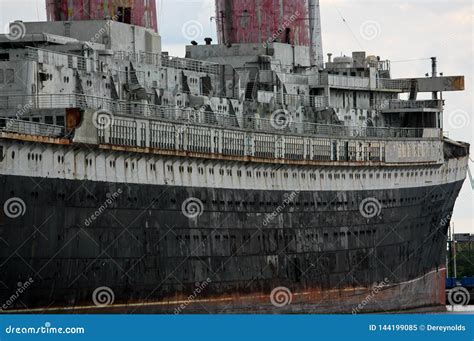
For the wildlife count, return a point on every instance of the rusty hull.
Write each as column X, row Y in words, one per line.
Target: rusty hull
column 398, row 298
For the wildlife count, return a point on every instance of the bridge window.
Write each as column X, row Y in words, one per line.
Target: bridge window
column 124, row 15
column 60, row 121
column 48, row 119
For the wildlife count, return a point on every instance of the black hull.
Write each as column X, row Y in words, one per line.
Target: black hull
column 146, row 250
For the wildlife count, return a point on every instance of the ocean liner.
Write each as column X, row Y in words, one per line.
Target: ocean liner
column 252, row 176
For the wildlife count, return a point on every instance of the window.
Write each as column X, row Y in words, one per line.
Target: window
column 2, row 77
column 60, row 121
column 48, row 119
column 124, row 15
column 10, row 76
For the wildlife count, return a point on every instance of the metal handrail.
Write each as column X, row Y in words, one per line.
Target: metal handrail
column 189, row 64
column 199, row 116
column 413, row 104
column 30, row 128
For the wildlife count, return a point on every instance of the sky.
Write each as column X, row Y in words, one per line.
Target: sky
column 408, row 32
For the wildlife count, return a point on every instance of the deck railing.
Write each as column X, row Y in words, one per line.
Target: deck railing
column 30, row 128
column 402, row 104
column 189, row 64
column 281, row 122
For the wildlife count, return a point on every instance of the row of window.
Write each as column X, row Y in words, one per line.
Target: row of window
column 330, row 176
column 265, row 174
column 316, row 237
column 53, row 120
column 7, row 76
column 35, row 157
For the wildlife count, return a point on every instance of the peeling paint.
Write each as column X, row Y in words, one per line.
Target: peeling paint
column 142, row 12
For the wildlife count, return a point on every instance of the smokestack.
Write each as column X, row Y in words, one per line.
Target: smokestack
column 134, row 12
column 434, row 67
column 264, row 22
column 434, row 73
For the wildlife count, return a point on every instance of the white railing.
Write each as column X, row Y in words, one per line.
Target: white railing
column 349, row 82
column 30, row 128
column 189, row 64
column 410, row 104
column 197, row 116
column 296, row 100
column 138, row 57
column 394, row 84
column 57, row 58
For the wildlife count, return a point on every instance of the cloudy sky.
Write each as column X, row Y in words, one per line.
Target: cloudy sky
column 407, row 32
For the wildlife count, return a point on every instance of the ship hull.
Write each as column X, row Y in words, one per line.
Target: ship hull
column 152, row 257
